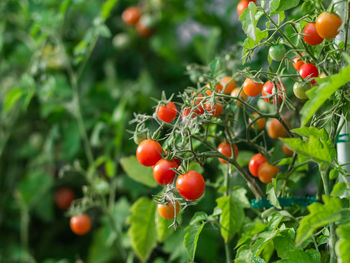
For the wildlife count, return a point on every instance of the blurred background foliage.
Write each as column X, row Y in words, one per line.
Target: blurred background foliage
column 66, row 61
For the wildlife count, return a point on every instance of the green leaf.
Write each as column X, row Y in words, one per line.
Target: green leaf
column 315, row 144
column 239, row 197
column 271, row 195
column 137, row 171
column 298, row 255
column 107, row 8
column 284, row 242
column 163, row 229
column 191, row 238
column 342, row 247
column 318, row 95
column 64, row 6
column 110, row 168
column 142, row 231
column 12, row 97
column 281, row 5
column 71, row 140
column 320, row 215
column 339, row 189
column 249, row 19
column 231, row 218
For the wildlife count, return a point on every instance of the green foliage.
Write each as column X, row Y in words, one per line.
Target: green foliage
column 143, row 231
column 192, row 234
column 343, row 244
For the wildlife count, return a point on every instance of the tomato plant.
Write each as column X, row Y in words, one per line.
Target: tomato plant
column 167, row 112
column 277, row 52
column 327, row 25
column 309, row 71
column 162, row 171
column 311, row 36
column 266, row 172
column 270, row 92
column 255, row 162
column 252, row 88
column 226, row 149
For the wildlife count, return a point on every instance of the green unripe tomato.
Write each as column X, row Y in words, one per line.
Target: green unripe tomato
column 265, row 107
column 277, row 52
column 121, row 41
column 300, row 89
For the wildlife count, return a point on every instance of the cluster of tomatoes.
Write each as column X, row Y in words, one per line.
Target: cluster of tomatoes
column 132, row 16
column 80, row 224
column 189, row 185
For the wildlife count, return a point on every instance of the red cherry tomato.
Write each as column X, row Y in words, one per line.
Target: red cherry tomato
column 243, row 4
column 64, row 197
column 149, row 152
column 225, row 149
column 167, row 211
column 269, row 91
column 215, row 110
column 162, row 172
column 131, row 15
column 311, row 36
column 327, row 25
column 266, row 172
column 190, row 185
column 309, row 71
column 143, row 30
column 80, row 224
column 255, row 163
column 252, row 88
column 167, row 113
column 297, row 62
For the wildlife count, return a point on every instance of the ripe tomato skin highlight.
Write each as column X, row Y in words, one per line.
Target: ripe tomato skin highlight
column 131, row 15
column 236, row 93
column 286, row 150
column 243, row 4
column 259, row 124
column 167, row 113
column 327, row 25
column 268, row 92
column 266, row 172
column 255, row 163
column 64, row 197
column 309, row 71
column 252, row 88
column 297, row 62
column 190, row 185
column 167, row 211
column 162, row 172
column 310, row 35
column 80, row 224
column 276, row 130
column 149, row 152
column 225, row 149
column 228, row 84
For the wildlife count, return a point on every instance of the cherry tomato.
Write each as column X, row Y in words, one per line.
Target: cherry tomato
column 80, row 224
column 297, row 62
column 131, row 15
column 276, row 129
column 149, row 152
column 186, row 112
column 286, row 150
column 243, row 4
column 300, row 89
column 277, row 52
column 218, row 87
column 199, row 109
column 190, row 185
column 167, row 211
column 259, row 124
column 162, row 172
column 228, row 84
column 252, row 88
column 266, row 172
column 309, row 71
column 225, row 149
column 167, row 113
column 64, row 197
column 327, row 25
column 143, row 30
column 255, row 163
column 215, row 110
column 310, row 35
column 268, row 92
column 237, row 92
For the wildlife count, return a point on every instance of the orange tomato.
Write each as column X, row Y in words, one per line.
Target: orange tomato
column 225, row 149
column 237, row 92
column 266, row 172
column 131, row 15
column 276, row 130
column 228, row 84
column 327, row 25
column 259, row 124
column 167, row 210
column 252, row 88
